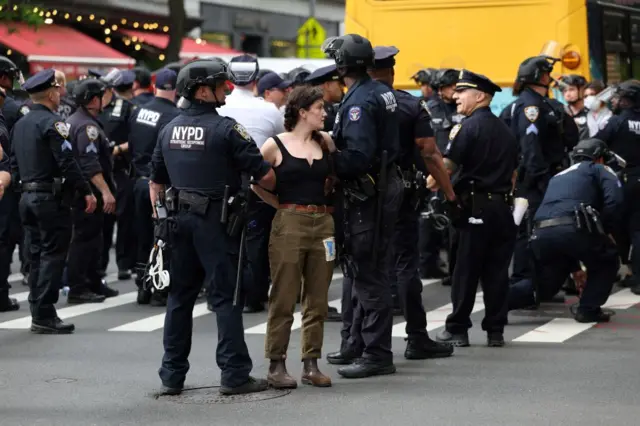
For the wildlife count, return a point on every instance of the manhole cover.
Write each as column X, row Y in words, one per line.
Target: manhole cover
column 211, row 395
column 61, row 380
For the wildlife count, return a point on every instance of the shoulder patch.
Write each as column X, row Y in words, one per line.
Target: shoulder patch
column 454, row 131
column 355, row 113
column 531, row 112
column 242, row 132
column 92, row 133
column 24, row 110
column 62, row 128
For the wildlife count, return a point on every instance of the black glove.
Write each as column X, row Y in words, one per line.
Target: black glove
column 455, row 212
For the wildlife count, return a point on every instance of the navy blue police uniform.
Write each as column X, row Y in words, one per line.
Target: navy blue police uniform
column 414, row 123
column 557, row 244
column 6, row 247
column 366, row 126
column 146, row 123
column 622, row 135
column 41, row 157
column 545, row 134
column 67, row 106
column 199, row 153
column 485, row 155
column 93, row 153
column 116, row 119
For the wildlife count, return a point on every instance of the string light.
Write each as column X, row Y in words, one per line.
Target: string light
column 15, row 7
column 48, row 13
column 127, row 42
column 123, row 21
column 9, row 51
column 79, row 18
column 66, row 16
column 137, row 47
column 35, row 10
column 145, row 26
column 136, row 25
column 92, row 17
column 107, row 40
column 54, row 13
column 48, row 21
column 41, row 13
column 161, row 57
column 165, row 29
column 102, row 21
column 107, row 31
column 114, row 27
column 135, row 39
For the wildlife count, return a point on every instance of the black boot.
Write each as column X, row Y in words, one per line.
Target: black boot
column 8, row 304
column 424, row 348
column 455, row 339
column 366, row 368
column 251, row 386
column 85, row 296
column 342, row 357
column 51, row 326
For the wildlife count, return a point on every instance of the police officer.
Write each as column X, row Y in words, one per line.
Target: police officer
column 142, row 86
column 485, row 153
column 116, row 119
column 565, row 230
column 67, row 104
column 94, row 157
column 572, row 87
column 146, row 123
column 427, row 79
column 366, row 129
column 622, row 135
column 541, row 127
column 41, row 156
column 199, row 153
column 416, row 143
column 11, row 109
column 297, row 76
column 332, row 88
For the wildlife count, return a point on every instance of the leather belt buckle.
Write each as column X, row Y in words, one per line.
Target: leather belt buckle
column 312, row 208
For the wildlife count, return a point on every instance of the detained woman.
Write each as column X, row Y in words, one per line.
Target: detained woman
column 301, row 244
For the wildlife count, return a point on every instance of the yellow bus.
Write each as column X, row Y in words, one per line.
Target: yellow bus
column 599, row 39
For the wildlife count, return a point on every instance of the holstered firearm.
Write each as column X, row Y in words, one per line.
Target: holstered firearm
column 235, row 210
column 382, row 192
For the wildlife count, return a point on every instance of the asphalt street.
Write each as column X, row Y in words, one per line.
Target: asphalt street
column 553, row 371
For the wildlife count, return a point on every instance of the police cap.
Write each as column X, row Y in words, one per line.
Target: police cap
column 323, row 75
column 350, row 51
column 86, row 90
column 121, row 80
column 204, row 72
column 142, row 76
column 385, row 57
column 591, row 149
column 166, row 79
column 532, row 69
column 41, row 81
column 471, row 80
column 574, row 80
column 272, row 81
column 447, row 77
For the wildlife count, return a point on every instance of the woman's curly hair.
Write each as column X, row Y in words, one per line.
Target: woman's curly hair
column 301, row 98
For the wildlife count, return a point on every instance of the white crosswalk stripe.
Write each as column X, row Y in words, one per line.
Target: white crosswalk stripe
column 23, row 296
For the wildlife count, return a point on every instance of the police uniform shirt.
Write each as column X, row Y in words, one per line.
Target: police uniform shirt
column 580, row 118
column 13, row 111
column 142, row 98
column 41, row 151
column 91, row 146
column 115, row 119
column 443, row 117
column 622, row 136
column 595, row 185
column 366, row 124
column 414, row 123
column 67, row 107
column 330, row 119
column 146, row 123
column 485, row 151
column 262, row 119
column 203, row 151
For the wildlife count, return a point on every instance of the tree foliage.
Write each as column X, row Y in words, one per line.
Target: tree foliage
column 18, row 11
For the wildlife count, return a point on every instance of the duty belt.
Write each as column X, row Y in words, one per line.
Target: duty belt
column 311, row 208
column 38, row 187
column 556, row 221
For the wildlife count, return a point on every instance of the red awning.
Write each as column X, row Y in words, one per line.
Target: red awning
column 63, row 48
column 190, row 47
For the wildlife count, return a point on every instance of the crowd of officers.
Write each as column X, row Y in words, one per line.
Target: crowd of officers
column 117, row 156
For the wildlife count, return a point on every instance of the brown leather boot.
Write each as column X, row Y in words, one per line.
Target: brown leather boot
column 278, row 376
column 312, row 376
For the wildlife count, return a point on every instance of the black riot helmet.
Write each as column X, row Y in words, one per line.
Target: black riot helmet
column 447, row 77
column 8, row 68
column 629, row 90
column 532, row 69
column 350, row 51
column 574, row 80
column 87, row 89
column 203, row 72
column 298, row 76
column 426, row 76
column 593, row 149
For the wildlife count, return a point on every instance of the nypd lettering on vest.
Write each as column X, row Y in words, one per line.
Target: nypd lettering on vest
column 634, row 126
column 390, row 101
column 187, row 138
column 148, row 117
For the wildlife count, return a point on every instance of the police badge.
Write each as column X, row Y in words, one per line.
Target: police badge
column 92, row 133
column 531, row 113
column 62, row 128
column 242, row 132
column 454, row 131
column 24, row 110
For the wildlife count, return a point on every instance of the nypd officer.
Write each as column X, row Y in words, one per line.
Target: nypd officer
column 427, row 79
column 366, row 129
column 561, row 235
column 198, row 153
column 67, row 104
column 540, row 126
column 141, row 86
column 485, row 153
column 11, row 109
column 622, row 135
column 94, row 157
column 116, row 118
column 146, row 123
column 332, row 87
column 6, row 303
column 418, row 152
column 41, row 157
column 572, row 87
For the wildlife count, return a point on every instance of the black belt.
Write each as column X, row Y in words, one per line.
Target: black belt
column 556, row 221
column 492, row 196
column 38, row 187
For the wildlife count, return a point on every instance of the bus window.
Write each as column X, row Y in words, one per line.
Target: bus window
column 617, row 52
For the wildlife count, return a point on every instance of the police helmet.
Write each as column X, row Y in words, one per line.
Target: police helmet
column 630, row 90
column 447, row 77
column 262, row 73
column 574, row 80
column 590, row 149
column 8, row 68
column 87, row 89
column 203, row 72
column 350, row 51
column 532, row 69
column 298, row 75
column 426, row 76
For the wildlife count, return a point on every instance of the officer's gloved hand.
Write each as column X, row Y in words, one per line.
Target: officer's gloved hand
column 454, row 211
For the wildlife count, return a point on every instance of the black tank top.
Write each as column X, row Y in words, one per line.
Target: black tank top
column 299, row 183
